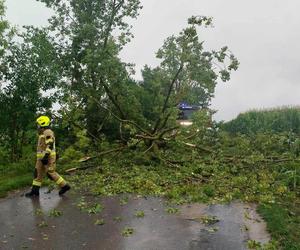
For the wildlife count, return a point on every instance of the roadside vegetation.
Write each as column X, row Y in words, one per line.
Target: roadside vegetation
column 128, row 128
column 14, row 176
column 276, row 120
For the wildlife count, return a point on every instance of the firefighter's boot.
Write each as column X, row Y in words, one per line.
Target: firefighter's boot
column 35, row 192
column 64, row 189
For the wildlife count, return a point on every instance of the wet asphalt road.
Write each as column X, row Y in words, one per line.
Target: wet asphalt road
column 27, row 224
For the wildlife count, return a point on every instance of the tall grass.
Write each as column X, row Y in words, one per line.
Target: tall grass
column 282, row 119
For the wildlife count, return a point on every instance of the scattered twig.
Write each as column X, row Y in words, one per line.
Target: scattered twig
column 96, row 156
column 197, row 146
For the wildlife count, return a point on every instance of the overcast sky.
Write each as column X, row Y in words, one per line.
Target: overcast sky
column 264, row 36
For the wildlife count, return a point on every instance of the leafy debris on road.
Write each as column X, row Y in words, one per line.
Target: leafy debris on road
column 140, row 214
column 42, row 224
column 127, row 231
column 55, row 213
column 99, row 222
column 117, row 218
column 172, row 210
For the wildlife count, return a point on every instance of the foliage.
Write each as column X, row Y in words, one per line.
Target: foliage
column 283, row 221
column 186, row 72
column 15, row 175
column 209, row 220
column 140, row 214
column 89, row 36
column 123, row 201
column 14, row 182
column 55, row 213
column 77, row 57
column 117, row 218
column 71, row 156
column 244, row 169
column 172, row 210
column 43, row 224
column 39, row 212
column 99, row 222
column 127, row 231
column 272, row 245
column 86, row 206
column 5, row 32
column 284, row 119
column 98, row 92
column 28, row 72
column 94, row 209
column 78, row 149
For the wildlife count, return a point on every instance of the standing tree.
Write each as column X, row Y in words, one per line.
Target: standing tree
column 28, row 72
column 186, row 72
column 89, row 36
column 99, row 93
column 4, row 28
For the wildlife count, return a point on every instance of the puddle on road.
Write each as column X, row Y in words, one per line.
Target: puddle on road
column 22, row 227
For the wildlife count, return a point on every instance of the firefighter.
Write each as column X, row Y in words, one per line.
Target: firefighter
column 46, row 159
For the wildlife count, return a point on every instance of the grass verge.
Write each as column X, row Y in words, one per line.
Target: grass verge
column 283, row 222
column 9, row 183
column 15, row 175
column 18, row 175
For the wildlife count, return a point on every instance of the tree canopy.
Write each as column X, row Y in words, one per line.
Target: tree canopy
column 75, row 62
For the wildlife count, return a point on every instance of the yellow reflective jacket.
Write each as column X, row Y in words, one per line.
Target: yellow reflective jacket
column 46, row 144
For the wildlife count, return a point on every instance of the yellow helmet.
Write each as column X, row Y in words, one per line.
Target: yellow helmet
column 43, row 121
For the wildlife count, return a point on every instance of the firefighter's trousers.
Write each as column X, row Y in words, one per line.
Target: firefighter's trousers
column 50, row 170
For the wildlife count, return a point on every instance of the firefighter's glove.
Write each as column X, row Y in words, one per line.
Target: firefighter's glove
column 45, row 159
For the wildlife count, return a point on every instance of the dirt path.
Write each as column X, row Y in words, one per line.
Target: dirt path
column 71, row 222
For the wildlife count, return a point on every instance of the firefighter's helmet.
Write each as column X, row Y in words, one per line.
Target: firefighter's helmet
column 43, row 121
